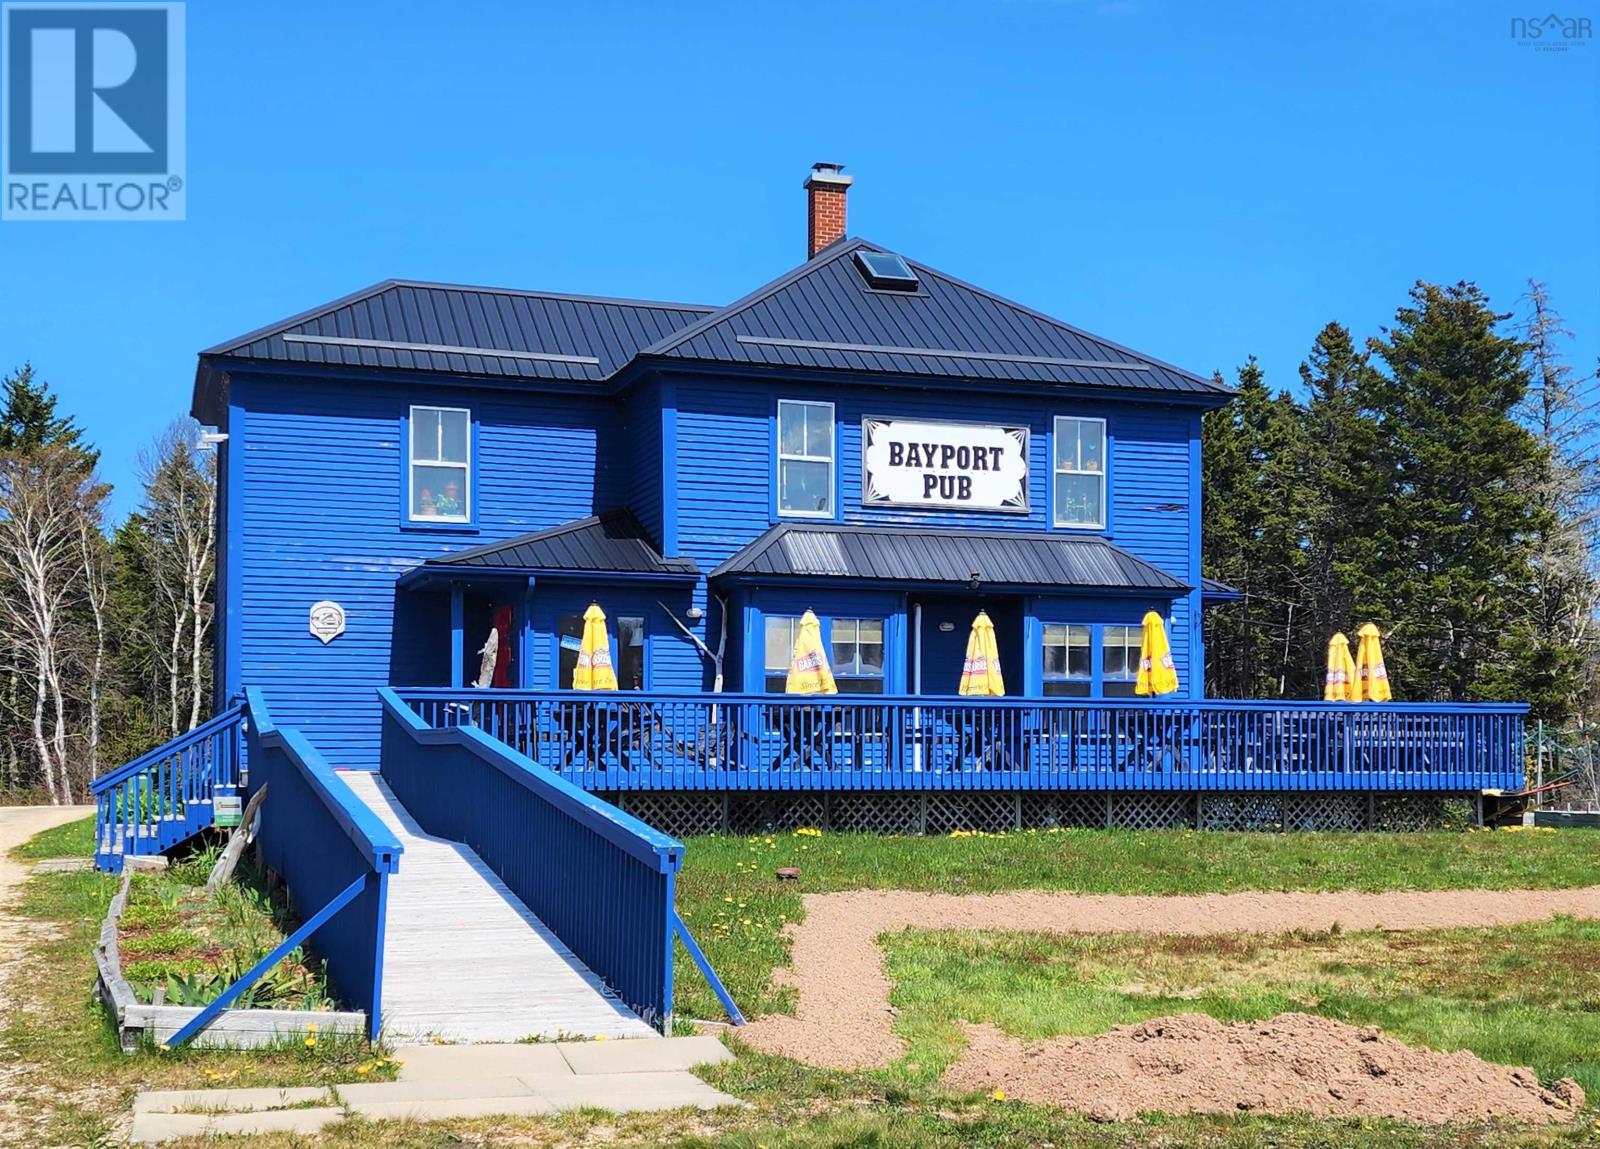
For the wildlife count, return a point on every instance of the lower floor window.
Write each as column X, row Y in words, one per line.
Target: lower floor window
column 1119, row 670
column 780, row 631
column 1067, row 673
column 629, row 663
column 858, row 655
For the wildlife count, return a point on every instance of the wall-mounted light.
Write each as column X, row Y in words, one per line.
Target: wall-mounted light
column 694, row 614
column 973, row 580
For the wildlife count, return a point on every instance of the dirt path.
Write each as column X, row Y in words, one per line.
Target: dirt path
column 843, row 1019
column 17, row 825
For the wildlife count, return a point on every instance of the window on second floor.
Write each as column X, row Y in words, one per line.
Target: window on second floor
column 439, row 465
column 1080, row 472
column 1067, row 669
column 1119, row 653
column 805, row 458
column 858, row 655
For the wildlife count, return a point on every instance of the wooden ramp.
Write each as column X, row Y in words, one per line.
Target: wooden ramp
column 465, row 960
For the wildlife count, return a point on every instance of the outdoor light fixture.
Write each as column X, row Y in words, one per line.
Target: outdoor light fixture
column 694, row 614
column 973, row 580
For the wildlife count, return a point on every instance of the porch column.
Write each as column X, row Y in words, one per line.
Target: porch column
column 457, row 628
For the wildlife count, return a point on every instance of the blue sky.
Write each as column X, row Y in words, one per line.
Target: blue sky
column 1198, row 181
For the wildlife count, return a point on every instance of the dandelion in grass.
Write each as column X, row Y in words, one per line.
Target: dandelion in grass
column 998, row 1095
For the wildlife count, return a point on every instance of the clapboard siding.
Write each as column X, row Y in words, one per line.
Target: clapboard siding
column 724, row 474
column 321, row 519
column 642, row 437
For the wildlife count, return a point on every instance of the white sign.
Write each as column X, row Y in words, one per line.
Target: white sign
column 327, row 620
column 965, row 466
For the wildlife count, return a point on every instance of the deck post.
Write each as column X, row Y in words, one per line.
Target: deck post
column 457, row 630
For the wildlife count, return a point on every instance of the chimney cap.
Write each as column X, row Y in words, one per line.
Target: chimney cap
column 825, row 173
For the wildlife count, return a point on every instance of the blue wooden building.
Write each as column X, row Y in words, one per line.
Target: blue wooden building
column 424, row 486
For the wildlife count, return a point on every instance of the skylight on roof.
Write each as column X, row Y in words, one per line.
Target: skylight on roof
column 886, row 270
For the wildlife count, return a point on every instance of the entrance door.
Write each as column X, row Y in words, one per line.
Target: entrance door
column 942, row 644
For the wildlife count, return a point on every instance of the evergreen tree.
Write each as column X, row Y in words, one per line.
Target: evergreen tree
column 1252, row 538
column 28, row 419
column 1338, row 477
column 1449, row 573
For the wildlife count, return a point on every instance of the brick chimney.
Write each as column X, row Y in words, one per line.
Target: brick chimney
column 825, row 188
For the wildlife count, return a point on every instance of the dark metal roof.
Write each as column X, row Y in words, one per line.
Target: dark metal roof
column 1010, row 558
column 408, row 326
column 825, row 315
column 612, row 543
column 1212, row 590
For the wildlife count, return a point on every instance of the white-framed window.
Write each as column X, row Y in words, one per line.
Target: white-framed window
column 858, row 655
column 805, row 458
column 1068, row 671
column 780, row 632
column 439, row 467
column 1080, row 472
column 1119, row 654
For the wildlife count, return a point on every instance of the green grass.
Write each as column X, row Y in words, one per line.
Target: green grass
column 1519, row 995
column 736, row 908
column 64, row 1068
column 73, row 840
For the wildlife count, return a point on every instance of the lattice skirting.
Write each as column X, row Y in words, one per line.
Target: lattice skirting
column 686, row 814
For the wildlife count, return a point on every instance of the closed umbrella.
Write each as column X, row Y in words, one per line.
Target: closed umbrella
column 809, row 672
column 1339, row 684
column 980, row 673
column 594, row 670
column 1372, row 677
column 1157, row 675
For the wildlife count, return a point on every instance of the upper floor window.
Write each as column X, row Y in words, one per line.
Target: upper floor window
column 858, row 655
column 1119, row 667
column 805, row 458
column 1080, row 472
column 440, row 464
column 1067, row 671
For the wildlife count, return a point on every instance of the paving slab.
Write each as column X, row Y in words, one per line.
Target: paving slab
column 469, row 1062
column 643, row 1056
column 230, row 1100
column 631, row 1092
column 443, row 1109
column 149, row 1128
column 372, row 1092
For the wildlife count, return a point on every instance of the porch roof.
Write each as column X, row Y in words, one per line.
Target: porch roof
column 919, row 555
column 614, row 543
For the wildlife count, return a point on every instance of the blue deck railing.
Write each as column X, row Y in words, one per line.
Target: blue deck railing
column 167, row 796
column 655, row 741
column 600, row 879
column 327, row 846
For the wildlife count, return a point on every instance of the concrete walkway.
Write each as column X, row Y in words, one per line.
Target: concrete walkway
column 465, row 960
column 439, row 1082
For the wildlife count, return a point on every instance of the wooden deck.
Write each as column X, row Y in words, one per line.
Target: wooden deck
column 465, row 960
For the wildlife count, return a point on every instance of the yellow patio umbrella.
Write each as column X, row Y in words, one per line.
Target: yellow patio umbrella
column 594, row 670
column 980, row 673
column 1372, row 677
column 1157, row 675
column 1339, row 684
column 809, row 672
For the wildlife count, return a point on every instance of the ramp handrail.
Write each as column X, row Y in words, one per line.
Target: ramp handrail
column 334, row 854
column 600, row 879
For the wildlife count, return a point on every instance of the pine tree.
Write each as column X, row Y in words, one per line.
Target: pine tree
column 1252, row 537
column 1338, row 477
column 1448, row 575
column 28, row 419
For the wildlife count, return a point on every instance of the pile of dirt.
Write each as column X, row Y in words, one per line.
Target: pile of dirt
column 843, row 1019
column 1293, row 1063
